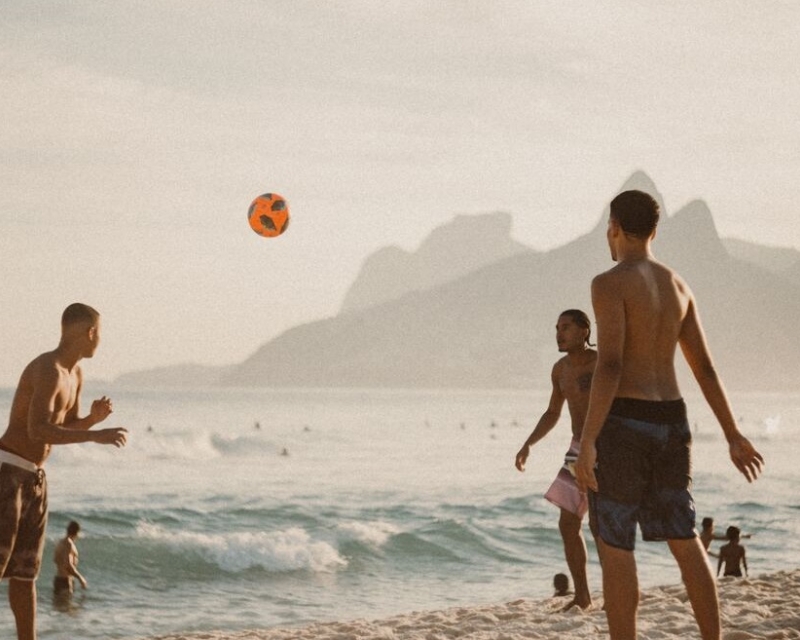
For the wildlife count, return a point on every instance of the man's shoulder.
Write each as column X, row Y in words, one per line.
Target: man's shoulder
column 42, row 367
column 46, row 360
column 609, row 279
column 559, row 364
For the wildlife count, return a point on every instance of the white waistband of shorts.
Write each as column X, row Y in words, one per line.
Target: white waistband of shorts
column 17, row 461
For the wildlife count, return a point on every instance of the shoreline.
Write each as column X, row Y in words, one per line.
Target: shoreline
column 761, row 606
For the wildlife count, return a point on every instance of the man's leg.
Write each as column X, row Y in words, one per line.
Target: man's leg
column 22, row 598
column 620, row 590
column 575, row 552
column 700, row 585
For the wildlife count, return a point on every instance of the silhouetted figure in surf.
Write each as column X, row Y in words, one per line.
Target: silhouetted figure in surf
column 561, row 585
column 732, row 555
column 66, row 558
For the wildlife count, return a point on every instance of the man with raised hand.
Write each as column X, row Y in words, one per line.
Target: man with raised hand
column 44, row 412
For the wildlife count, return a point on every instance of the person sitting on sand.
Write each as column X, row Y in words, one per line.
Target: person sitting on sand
column 561, row 585
column 732, row 555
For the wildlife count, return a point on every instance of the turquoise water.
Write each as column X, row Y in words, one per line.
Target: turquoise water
column 350, row 504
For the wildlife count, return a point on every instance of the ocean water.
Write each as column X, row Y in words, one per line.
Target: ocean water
column 240, row 509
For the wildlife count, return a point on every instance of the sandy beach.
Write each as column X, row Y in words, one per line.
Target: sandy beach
column 762, row 606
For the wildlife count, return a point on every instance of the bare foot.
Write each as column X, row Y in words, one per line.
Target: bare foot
column 576, row 602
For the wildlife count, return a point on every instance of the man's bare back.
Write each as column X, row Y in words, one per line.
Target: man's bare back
column 643, row 312
column 646, row 316
column 65, row 556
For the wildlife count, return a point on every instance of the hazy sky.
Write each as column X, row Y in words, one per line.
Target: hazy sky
column 133, row 136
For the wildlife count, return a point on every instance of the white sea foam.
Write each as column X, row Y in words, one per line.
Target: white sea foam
column 288, row 550
column 772, row 425
column 420, row 517
column 371, row 533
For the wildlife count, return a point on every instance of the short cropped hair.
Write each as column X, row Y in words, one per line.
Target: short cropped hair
column 707, row 522
column 636, row 212
column 581, row 319
column 78, row 312
column 73, row 528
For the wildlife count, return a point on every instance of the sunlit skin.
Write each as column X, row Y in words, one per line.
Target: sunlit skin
column 65, row 557
column 571, row 380
column 45, row 411
column 644, row 311
column 733, row 556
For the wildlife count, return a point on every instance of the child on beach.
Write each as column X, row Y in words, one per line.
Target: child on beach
column 732, row 555
column 561, row 585
column 707, row 536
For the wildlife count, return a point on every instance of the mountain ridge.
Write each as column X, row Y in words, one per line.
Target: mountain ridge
column 492, row 327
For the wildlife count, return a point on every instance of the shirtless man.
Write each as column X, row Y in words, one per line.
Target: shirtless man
column 732, row 555
column 707, row 535
column 44, row 412
column 66, row 558
column 571, row 378
column 634, row 455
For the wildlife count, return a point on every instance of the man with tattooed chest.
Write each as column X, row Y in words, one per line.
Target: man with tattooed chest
column 571, row 378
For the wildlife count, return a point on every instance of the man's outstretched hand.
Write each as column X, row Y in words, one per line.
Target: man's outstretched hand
column 745, row 457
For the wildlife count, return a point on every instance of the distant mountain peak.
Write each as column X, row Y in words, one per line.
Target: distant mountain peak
column 452, row 250
column 696, row 218
column 640, row 181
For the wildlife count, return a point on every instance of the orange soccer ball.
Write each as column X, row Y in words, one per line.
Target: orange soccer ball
column 268, row 215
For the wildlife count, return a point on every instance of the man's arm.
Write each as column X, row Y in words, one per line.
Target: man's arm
column 609, row 312
column 98, row 412
column 546, row 423
column 744, row 561
column 695, row 350
column 42, row 411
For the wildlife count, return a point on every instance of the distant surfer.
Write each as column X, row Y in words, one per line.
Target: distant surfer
column 635, row 449
column 571, row 379
column 44, row 412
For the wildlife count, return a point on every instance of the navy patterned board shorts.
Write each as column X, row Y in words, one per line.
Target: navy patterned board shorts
column 643, row 474
column 23, row 520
